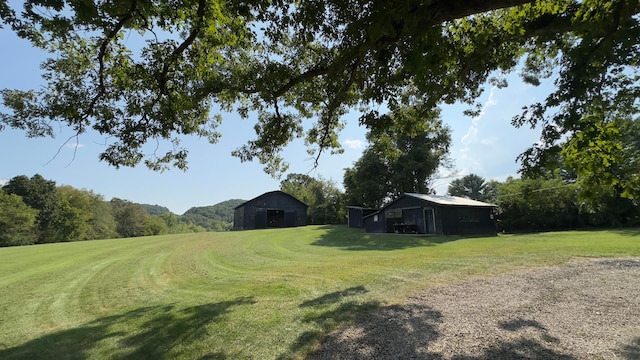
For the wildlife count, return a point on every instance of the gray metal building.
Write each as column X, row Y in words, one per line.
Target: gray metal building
column 275, row 209
column 432, row 214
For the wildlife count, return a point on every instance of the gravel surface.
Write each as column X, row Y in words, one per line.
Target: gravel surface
column 586, row 309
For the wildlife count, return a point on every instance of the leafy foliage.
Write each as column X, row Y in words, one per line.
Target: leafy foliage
column 17, row 221
column 325, row 200
column 149, row 71
column 130, row 217
column 609, row 160
column 551, row 203
column 402, row 156
column 38, row 193
column 474, row 187
column 538, row 205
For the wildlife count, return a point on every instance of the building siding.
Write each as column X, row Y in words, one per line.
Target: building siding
column 272, row 209
column 356, row 215
column 409, row 214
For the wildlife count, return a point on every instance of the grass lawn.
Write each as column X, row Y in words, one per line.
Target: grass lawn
column 267, row 294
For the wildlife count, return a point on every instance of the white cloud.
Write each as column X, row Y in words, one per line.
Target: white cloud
column 3, row 182
column 489, row 141
column 472, row 132
column 354, row 144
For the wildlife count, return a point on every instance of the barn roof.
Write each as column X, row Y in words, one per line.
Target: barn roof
column 450, row 200
column 269, row 193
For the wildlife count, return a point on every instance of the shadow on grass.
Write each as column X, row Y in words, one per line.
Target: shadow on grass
column 334, row 297
column 357, row 240
column 627, row 232
column 326, row 313
column 151, row 333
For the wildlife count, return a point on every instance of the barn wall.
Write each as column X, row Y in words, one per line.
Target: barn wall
column 255, row 212
column 464, row 220
column 238, row 218
column 373, row 226
column 356, row 215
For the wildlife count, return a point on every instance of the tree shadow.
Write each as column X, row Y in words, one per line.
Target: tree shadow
column 335, row 297
column 157, row 329
column 627, row 232
column 410, row 332
column 325, row 316
column 520, row 323
column 518, row 349
column 393, row 332
column 632, row 351
column 355, row 239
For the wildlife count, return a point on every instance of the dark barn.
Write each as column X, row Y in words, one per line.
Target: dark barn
column 356, row 215
column 432, row 214
column 274, row 209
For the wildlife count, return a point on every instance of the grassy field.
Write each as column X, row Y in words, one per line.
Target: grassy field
column 268, row 294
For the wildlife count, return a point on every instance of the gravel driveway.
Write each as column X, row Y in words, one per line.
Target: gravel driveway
column 586, row 309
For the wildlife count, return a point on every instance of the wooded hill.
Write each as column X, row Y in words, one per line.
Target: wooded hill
column 218, row 217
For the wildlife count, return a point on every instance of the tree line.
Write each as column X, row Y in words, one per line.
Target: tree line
column 36, row 211
column 556, row 201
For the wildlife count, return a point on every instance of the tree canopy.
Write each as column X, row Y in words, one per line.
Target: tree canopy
column 149, row 70
column 474, row 187
column 402, row 157
column 325, row 200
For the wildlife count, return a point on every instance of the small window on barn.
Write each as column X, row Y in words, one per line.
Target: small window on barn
column 375, row 218
column 469, row 215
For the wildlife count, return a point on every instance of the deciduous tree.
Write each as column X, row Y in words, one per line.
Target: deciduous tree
column 40, row 194
column 140, row 71
column 401, row 158
column 325, row 200
column 131, row 219
column 17, row 221
column 474, row 187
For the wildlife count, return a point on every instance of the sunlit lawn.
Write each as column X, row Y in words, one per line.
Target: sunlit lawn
column 243, row 295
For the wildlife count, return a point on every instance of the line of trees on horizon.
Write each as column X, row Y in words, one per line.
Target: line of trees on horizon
column 557, row 201
column 36, row 211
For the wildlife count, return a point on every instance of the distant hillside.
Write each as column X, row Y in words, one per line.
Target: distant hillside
column 218, row 217
column 155, row 209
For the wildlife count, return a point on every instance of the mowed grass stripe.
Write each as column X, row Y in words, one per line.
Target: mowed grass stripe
column 245, row 295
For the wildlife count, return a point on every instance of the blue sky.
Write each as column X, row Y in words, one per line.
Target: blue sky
column 486, row 145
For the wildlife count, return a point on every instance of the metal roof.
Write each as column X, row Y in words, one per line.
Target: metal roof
column 269, row 193
column 449, row 200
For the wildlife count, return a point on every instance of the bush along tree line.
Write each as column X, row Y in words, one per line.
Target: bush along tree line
column 557, row 201
column 35, row 211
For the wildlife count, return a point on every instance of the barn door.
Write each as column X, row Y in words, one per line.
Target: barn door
column 290, row 218
column 430, row 220
column 261, row 219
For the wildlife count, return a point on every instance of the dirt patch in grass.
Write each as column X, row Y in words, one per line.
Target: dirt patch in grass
column 586, row 309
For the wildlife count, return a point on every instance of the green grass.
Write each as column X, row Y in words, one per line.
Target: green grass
column 268, row 294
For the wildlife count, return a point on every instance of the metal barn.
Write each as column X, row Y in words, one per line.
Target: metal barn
column 275, row 209
column 432, row 214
